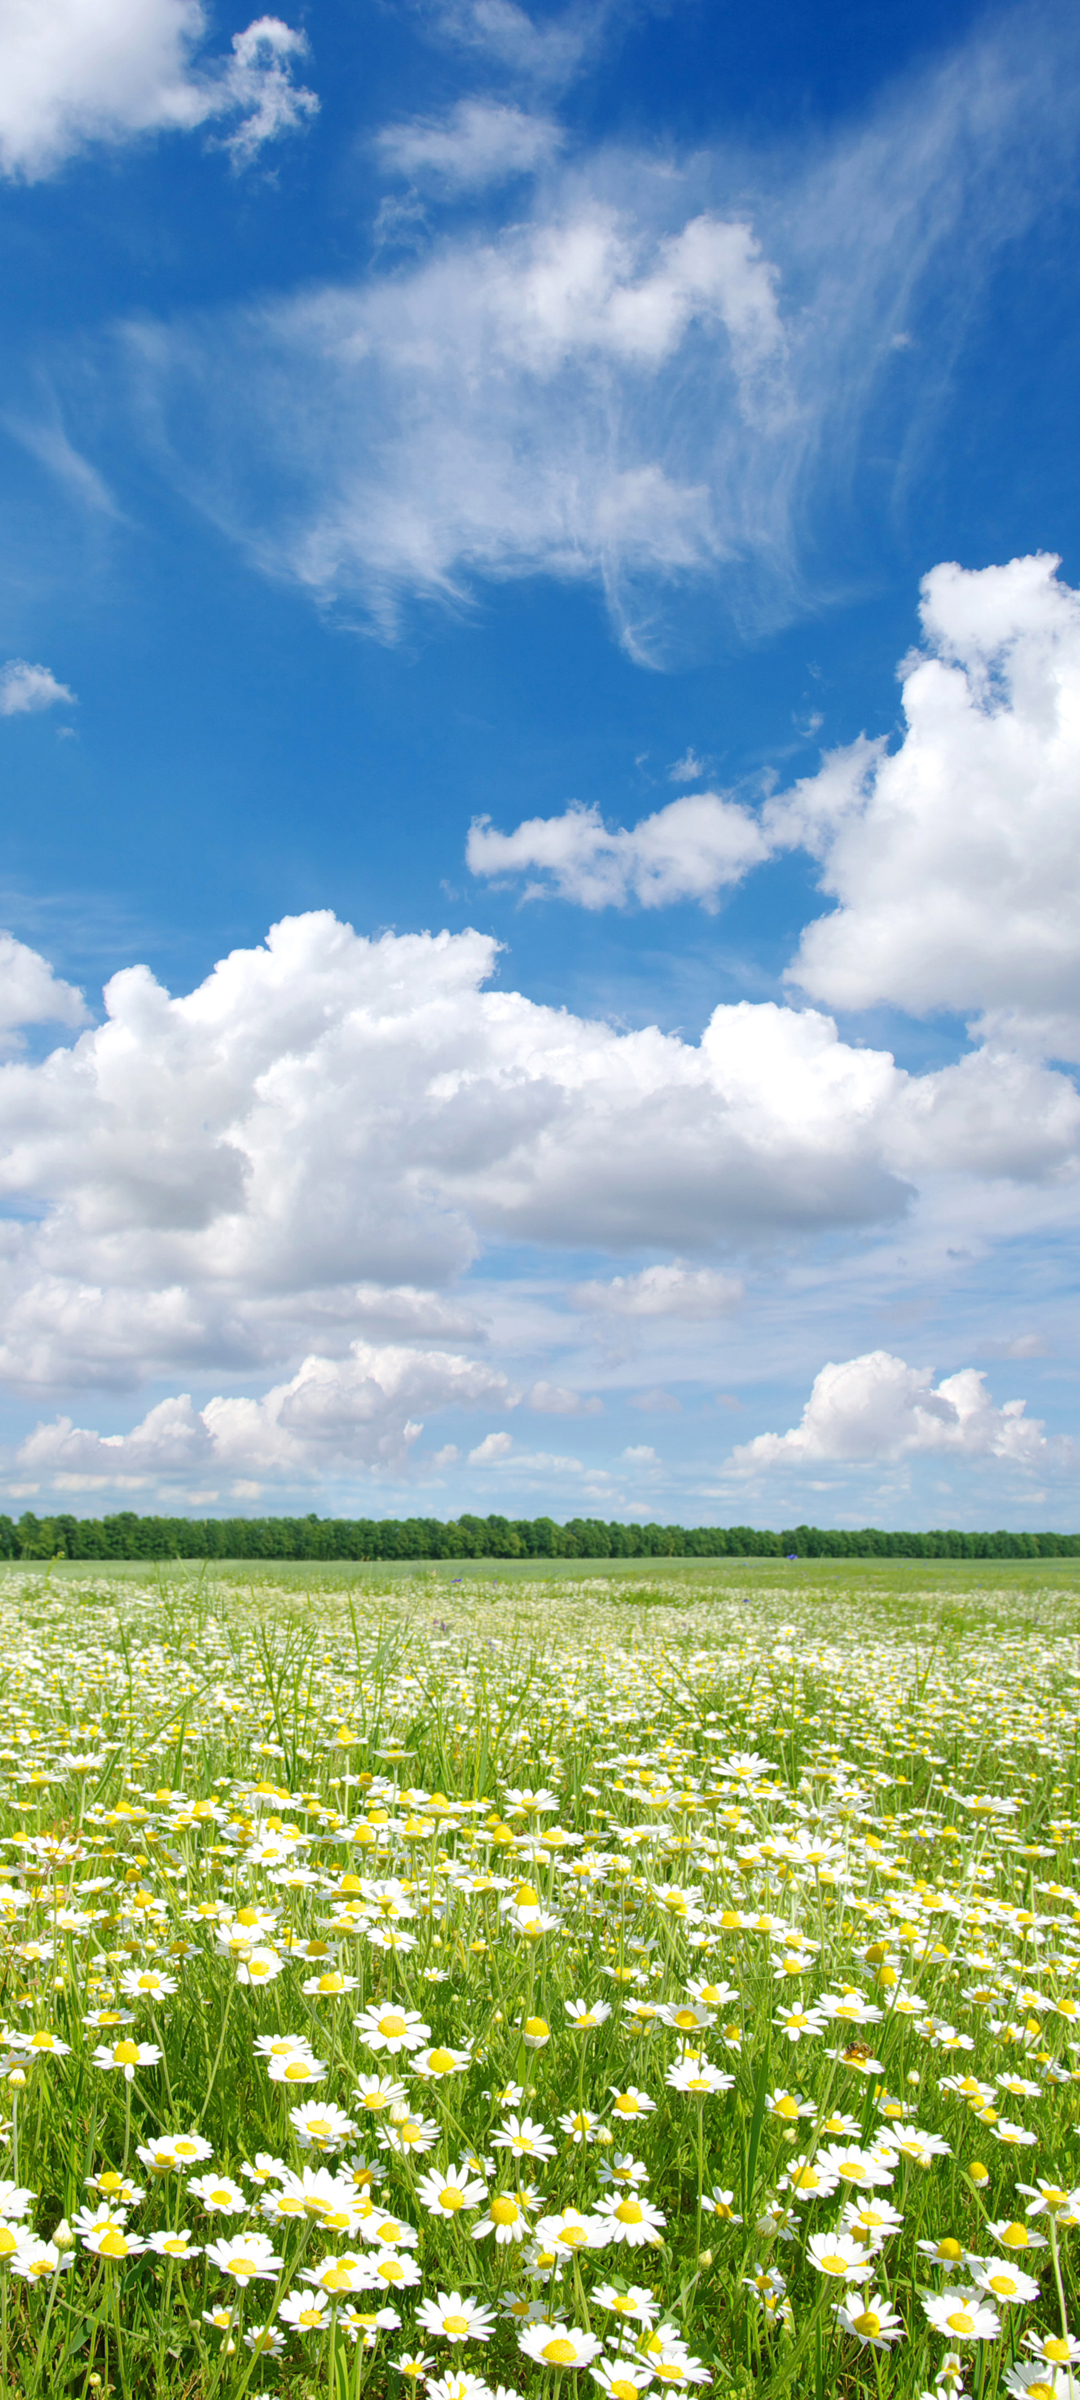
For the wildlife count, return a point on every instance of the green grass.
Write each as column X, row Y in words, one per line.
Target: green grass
column 910, row 1839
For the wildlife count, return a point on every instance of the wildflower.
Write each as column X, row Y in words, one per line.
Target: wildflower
column 127, row 2055
column 622, row 2378
column 631, row 2102
column 218, row 2194
column 506, row 2218
column 147, row 1983
column 946, row 2252
column 111, row 2241
column 376, row 2092
column 632, row 2220
column 168, row 2244
column 256, row 1967
column 622, row 2168
column 455, row 2318
column 1003, row 2282
column 840, row 2255
column 392, row 2029
column 432, row 2065
column 265, row 2340
column 523, row 2138
column 305, row 2312
column 330, row 1985
column 963, row 2315
column 337, row 2274
column 410, row 2136
column 318, row 2125
column 395, row 2272
column 247, row 2257
column 558, row 2345
column 34, row 2260
column 42, row 2043
column 717, row 2203
column 457, row 2385
column 296, row 2066
column 585, row 2016
column 567, row 2230
column 445, row 2195
column 580, row 2125
column 697, row 2077
column 266, row 2169
column 871, row 2320
column 414, row 2366
column 636, row 2304
column 1014, row 2236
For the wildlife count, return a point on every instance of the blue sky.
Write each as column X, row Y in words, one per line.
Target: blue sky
column 569, row 516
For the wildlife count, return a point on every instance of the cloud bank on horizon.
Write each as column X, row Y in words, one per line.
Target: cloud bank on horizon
column 754, row 1098
column 328, row 1118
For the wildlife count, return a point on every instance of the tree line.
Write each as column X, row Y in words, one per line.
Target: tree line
column 129, row 1536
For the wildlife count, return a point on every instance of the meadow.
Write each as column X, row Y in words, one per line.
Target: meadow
column 438, row 1984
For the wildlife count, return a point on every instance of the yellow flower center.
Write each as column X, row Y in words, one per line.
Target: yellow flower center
column 113, row 2244
column 450, row 2197
column 392, row 2026
column 505, row 2212
column 960, row 2321
column 1015, row 2237
column 868, row 2322
column 560, row 2352
column 441, row 2062
column 456, row 2326
column 630, row 2213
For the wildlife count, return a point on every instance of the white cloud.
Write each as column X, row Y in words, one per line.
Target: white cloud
column 25, row 689
column 548, row 53
column 556, row 1400
column 662, row 375
column 664, row 1291
column 876, row 1407
column 73, row 72
column 640, row 1454
column 479, row 142
column 493, row 1448
column 310, row 1147
column 691, row 850
column 459, row 418
column 956, row 859
column 687, row 769
column 333, row 1414
column 30, row 994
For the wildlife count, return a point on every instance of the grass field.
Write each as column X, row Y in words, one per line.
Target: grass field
column 540, row 1979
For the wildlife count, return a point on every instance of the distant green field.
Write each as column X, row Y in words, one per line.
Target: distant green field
column 722, row 1575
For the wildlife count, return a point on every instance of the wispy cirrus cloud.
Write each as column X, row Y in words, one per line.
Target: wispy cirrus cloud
column 661, row 378
column 480, row 142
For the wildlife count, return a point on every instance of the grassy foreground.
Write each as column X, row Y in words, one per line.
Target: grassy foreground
column 438, row 1987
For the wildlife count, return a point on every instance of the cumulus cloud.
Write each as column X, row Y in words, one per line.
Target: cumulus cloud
column 73, row 72
column 315, row 1143
column 479, row 142
column 662, row 372
column 664, row 1291
column 30, row 994
column 332, row 1415
column 691, row 850
column 877, row 1407
column 25, row 689
column 955, row 859
column 492, row 1450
